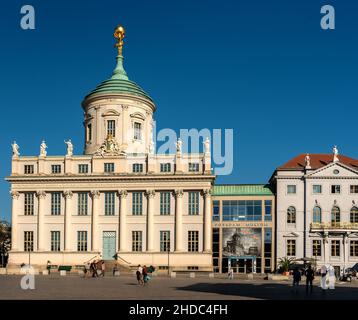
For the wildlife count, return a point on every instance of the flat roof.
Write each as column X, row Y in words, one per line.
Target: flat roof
column 242, row 190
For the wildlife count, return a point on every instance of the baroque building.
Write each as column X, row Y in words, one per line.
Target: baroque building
column 317, row 209
column 120, row 200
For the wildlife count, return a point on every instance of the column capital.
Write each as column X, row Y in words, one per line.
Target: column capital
column 179, row 193
column 68, row 194
column 14, row 194
column 95, row 194
column 41, row 194
column 207, row 193
column 150, row 193
column 122, row 193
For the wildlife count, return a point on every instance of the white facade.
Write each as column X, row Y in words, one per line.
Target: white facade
column 94, row 193
column 325, row 225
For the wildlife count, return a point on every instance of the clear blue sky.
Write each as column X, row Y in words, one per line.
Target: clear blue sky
column 264, row 68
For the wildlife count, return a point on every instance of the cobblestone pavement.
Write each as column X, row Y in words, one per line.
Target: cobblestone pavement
column 181, row 288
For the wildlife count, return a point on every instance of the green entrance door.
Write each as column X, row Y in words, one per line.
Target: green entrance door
column 109, row 245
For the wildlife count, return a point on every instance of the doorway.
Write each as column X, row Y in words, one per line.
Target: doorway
column 109, row 245
column 242, row 264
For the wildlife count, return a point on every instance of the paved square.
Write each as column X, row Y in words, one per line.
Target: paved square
column 160, row 287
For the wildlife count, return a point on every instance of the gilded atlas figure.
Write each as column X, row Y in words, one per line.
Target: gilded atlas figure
column 119, row 34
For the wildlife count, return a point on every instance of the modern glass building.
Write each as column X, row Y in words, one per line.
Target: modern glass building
column 243, row 228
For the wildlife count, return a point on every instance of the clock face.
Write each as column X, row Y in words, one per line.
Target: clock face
column 335, row 171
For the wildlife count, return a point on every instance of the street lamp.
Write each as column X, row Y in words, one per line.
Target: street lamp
column 168, row 250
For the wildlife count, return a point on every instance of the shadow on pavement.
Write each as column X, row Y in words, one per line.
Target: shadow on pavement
column 272, row 291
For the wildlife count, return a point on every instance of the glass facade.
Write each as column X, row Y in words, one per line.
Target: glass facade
column 242, row 210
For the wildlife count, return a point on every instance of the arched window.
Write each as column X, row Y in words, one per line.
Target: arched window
column 291, row 215
column 317, row 214
column 335, row 216
column 354, row 215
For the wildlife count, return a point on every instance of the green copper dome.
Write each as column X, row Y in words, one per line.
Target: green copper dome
column 119, row 83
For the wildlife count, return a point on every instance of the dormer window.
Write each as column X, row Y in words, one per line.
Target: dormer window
column 111, row 128
column 137, row 131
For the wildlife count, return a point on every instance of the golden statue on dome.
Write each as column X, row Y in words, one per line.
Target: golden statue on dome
column 119, row 34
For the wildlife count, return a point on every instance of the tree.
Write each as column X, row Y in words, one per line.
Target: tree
column 5, row 241
column 285, row 263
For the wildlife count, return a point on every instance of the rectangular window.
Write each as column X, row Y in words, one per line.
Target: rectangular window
column 137, row 131
column 164, row 241
column 82, row 203
column 28, row 241
column 137, row 167
column 55, row 203
column 165, row 167
column 109, row 167
column 89, row 132
column 55, row 240
column 216, row 210
column 353, row 248
column 268, row 210
column 335, row 188
column 29, row 169
column 137, row 241
column 137, row 203
column 193, row 167
column 109, row 203
column 111, row 128
column 193, row 241
column 83, row 168
column 316, row 248
column 291, row 189
column 193, row 203
column 56, row 168
column 291, row 247
column 335, row 248
column 317, row 189
column 81, row 240
column 354, row 188
column 165, row 203
column 28, row 204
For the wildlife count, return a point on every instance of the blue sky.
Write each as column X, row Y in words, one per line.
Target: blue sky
column 264, row 68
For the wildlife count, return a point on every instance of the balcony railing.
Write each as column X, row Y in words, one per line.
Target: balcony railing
column 334, row 225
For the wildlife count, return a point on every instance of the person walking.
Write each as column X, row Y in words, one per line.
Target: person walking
column 48, row 266
column 145, row 274
column 309, row 278
column 139, row 274
column 296, row 279
column 103, row 268
column 115, row 269
column 230, row 273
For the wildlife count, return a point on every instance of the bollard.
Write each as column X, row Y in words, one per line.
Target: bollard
column 250, row 276
column 117, row 273
column 173, row 274
column 2, row 270
column 211, row 275
column 45, row 272
column 81, row 272
column 62, row 272
column 192, row 275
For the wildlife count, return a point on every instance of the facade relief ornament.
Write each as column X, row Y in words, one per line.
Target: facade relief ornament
column 179, row 193
column 307, row 161
column 109, row 147
column 41, row 194
column 207, row 145
column 95, row 194
column 179, row 145
column 14, row 194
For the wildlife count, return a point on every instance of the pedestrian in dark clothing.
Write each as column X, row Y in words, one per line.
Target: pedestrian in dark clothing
column 309, row 278
column 49, row 266
column 296, row 279
column 145, row 274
